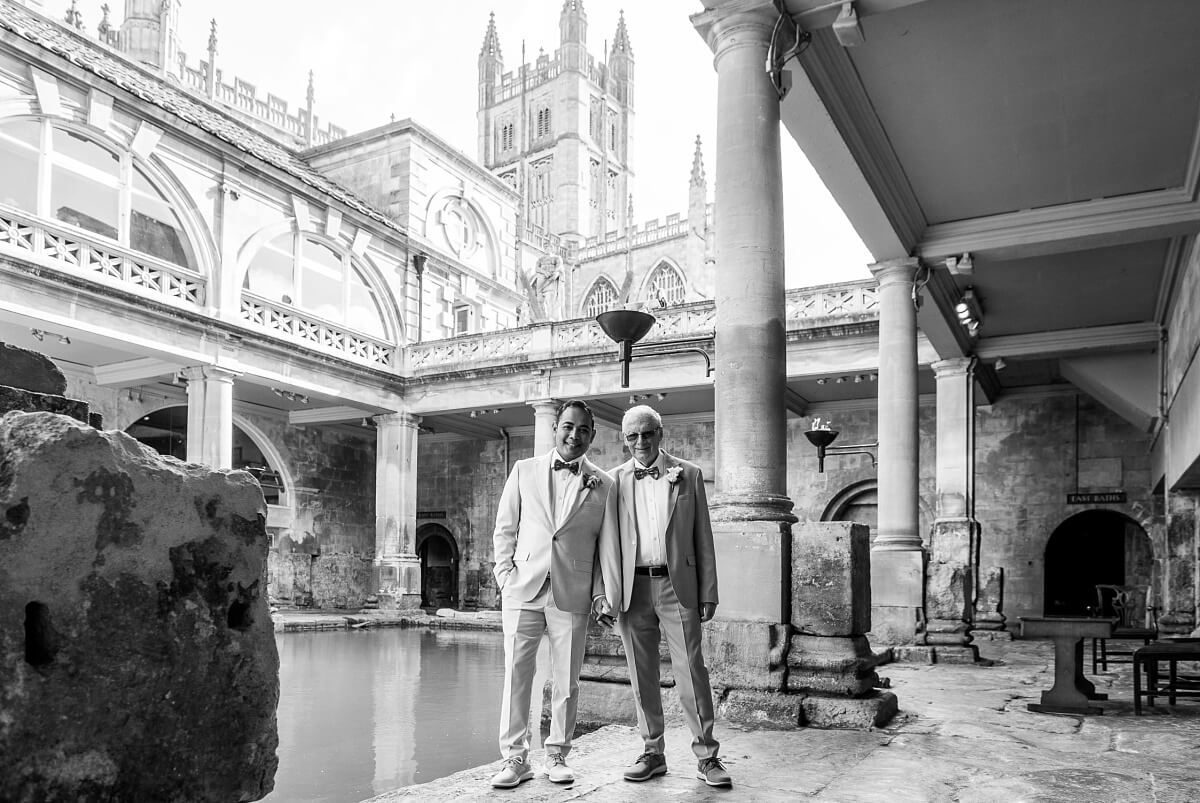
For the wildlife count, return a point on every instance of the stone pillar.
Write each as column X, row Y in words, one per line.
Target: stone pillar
column 210, row 415
column 897, row 557
column 396, row 565
column 830, row 658
column 952, row 581
column 544, row 412
column 747, row 643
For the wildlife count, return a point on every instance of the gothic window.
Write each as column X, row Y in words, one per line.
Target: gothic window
column 612, row 136
column 594, row 175
column 601, row 298
column 665, row 288
column 541, row 194
column 316, row 276
column 506, row 137
column 543, row 122
column 88, row 185
column 610, row 197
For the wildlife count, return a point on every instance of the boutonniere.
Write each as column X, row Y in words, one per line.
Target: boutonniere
column 590, row 481
column 673, row 473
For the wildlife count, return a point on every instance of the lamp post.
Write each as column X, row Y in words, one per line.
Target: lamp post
column 626, row 327
column 822, row 436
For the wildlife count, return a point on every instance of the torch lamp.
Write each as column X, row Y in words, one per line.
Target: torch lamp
column 626, row 327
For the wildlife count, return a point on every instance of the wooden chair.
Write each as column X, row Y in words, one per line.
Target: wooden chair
column 1174, row 685
column 1136, row 621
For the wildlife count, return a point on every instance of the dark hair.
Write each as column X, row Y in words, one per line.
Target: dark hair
column 578, row 404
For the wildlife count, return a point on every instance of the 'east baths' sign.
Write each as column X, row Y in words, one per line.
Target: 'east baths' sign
column 1106, row 498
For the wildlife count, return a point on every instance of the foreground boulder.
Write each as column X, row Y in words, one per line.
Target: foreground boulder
column 137, row 658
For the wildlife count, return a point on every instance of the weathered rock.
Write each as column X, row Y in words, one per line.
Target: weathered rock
column 137, row 658
column 28, row 401
column 28, row 370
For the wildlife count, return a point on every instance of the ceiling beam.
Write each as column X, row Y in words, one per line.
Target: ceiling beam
column 937, row 319
column 795, row 403
column 1119, row 337
column 327, row 415
column 1068, row 227
column 135, row 371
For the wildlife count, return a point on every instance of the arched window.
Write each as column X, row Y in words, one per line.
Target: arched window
column 313, row 275
column 665, row 288
column 601, row 298
column 88, row 185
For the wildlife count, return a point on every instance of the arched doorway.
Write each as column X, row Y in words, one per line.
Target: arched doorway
column 859, row 502
column 1092, row 548
column 438, row 554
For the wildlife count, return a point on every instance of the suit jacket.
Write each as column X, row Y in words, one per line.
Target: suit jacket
column 527, row 544
column 691, row 558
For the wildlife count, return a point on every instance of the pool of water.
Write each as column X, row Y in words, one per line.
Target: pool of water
column 362, row 712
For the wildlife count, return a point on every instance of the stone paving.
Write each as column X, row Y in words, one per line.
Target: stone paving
column 963, row 735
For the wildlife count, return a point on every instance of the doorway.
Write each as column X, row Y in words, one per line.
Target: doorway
column 1095, row 547
column 438, row 554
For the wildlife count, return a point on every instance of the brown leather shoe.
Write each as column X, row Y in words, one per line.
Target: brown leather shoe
column 646, row 766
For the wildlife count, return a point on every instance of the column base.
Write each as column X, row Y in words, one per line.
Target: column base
column 832, row 665
column 763, row 507
column 785, row 710
column 398, row 582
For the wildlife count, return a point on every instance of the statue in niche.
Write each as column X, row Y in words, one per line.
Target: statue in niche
column 547, row 286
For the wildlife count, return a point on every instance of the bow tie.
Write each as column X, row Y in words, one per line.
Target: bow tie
column 639, row 473
column 572, row 467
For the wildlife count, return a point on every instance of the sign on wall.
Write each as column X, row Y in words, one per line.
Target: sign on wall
column 1105, row 498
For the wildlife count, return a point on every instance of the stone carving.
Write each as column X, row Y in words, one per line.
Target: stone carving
column 547, row 284
column 137, row 654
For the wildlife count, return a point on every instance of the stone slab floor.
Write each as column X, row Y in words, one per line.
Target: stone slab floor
column 963, row 735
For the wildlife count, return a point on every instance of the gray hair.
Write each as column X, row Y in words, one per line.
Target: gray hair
column 642, row 411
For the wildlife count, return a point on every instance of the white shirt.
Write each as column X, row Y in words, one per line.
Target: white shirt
column 566, row 486
column 650, row 498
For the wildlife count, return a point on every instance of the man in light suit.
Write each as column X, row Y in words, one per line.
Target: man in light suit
column 669, row 586
column 550, row 541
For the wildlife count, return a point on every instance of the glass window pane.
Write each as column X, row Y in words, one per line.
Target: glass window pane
column 84, row 156
column 270, row 274
column 19, row 164
column 82, row 202
column 321, row 281
column 154, row 228
column 365, row 314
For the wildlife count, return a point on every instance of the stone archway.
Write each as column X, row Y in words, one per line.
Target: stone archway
column 1091, row 548
column 438, row 553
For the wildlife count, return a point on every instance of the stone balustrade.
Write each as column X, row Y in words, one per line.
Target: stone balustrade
column 809, row 307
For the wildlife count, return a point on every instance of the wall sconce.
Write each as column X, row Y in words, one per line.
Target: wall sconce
column 41, row 334
column 822, row 436
column 969, row 312
column 290, row 395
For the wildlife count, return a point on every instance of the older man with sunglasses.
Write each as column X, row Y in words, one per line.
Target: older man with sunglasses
column 669, row 587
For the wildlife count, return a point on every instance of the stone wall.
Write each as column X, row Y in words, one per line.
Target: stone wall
column 137, row 655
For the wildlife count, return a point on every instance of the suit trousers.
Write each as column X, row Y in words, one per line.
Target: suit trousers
column 654, row 608
column 524, row 623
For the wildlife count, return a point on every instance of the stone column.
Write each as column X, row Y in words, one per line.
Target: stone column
column 396, row 565
column 544, row 412
column 953, row 576
column 897, row 557
column 210, row 415
column 747, row 644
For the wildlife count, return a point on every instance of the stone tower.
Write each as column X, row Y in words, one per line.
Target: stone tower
column 150, row 33
column 559, row 129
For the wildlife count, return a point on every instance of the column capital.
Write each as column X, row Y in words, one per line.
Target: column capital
column 895, row 271
column 736, row 23
column 540, row 405
column 410, row 420
column 195, row 373
column 956, row 366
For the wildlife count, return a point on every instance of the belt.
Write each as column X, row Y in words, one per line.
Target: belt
column 652, row 571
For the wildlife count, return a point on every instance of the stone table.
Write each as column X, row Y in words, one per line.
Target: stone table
column 1072, row 692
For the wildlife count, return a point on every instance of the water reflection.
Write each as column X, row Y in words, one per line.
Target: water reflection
column 364, row 712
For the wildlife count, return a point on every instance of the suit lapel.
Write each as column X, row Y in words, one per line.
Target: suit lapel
column 575, row 500
column 629, row 525
column 672, row 488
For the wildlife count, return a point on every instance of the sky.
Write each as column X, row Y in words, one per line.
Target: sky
column 415, row 59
